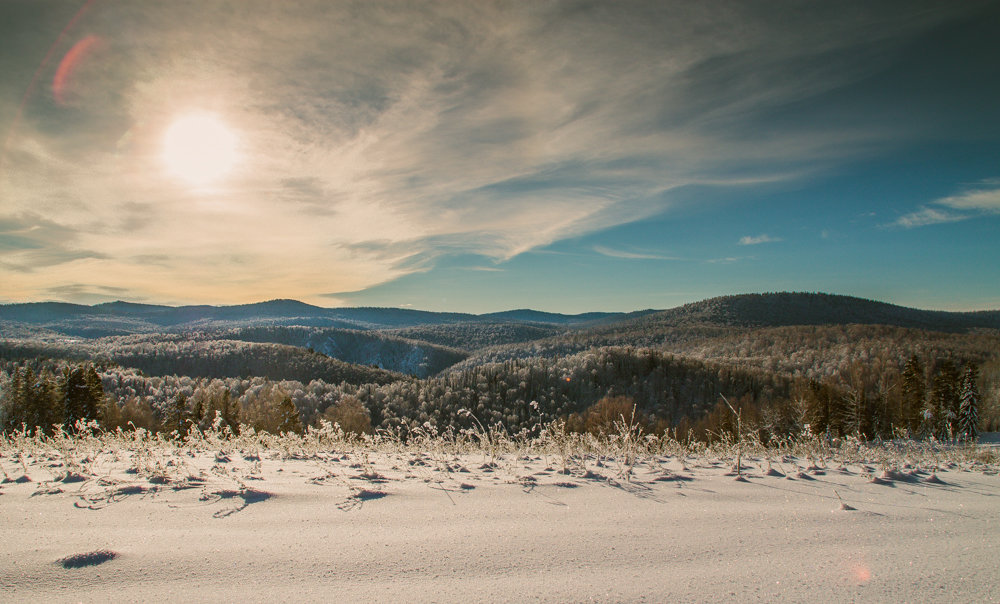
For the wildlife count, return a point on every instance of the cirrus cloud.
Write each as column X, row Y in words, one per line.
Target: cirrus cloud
column 758, row 239
column 955, row 208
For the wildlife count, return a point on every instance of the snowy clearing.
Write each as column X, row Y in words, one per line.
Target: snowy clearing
column 199, row 525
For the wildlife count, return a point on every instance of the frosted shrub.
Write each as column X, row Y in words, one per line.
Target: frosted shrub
column 625, row 447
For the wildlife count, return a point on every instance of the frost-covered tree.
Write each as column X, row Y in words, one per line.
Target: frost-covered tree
column 968, row 410
column 350, row 415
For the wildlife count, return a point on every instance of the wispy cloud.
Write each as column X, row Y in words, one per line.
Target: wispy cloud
column 29, row 243
column 986, row 200
column 626, row 255
column 758, row 239
column 90, row 294
column 926, row 216
column 955, row 208
column 726, row 260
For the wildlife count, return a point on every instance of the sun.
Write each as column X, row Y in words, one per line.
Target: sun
column 199, row 148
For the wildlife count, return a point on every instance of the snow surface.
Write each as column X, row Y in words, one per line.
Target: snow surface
column 439, row 528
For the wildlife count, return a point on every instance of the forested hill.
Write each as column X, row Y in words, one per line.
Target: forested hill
column 371, row 348
column 122, row 318
column 821, row 331
column 162, row 355
column 782, row 309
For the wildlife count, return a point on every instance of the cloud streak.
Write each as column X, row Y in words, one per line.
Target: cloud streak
column 955, row 208
column 626, row 255
column 30, row 243
column 758, row 239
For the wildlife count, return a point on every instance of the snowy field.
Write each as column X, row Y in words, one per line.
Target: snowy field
column 93, row 522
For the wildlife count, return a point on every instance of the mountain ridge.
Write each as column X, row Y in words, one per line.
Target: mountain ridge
column 742, row 310
column 42, row 313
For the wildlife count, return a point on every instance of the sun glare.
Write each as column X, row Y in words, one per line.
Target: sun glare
column 199, row 149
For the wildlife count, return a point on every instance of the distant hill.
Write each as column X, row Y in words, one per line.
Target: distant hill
column 369, row 348
column 747, row 310
column 472, row 336
column 164, row 355
column 710, row 328
column 121, row 318
column 525, row 315
column 782, row 309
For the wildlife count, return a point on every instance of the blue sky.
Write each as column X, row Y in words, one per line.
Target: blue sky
column 563, row 156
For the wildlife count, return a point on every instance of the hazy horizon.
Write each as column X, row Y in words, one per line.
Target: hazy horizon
column 562, row 156
column 484, row 312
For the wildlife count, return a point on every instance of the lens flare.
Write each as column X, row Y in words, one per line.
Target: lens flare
column 62, row 82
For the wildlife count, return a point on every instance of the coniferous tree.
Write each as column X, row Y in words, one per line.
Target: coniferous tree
column 29, row 401
column 177, row 415
column 94, row 385
column 198, row 413
column 81, row 397
column 819, row 404
column 289, row 416
column 12, row 401
column 914, row 393
column 230, row 410
column 943, row 401
column 968, row 411
column 227, row 408
column 40, row 403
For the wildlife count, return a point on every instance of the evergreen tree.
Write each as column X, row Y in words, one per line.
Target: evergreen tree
column 822, row 408
column 198, row 413
column 289, row 416
column 81, row 396
column 230, row 410
column 914, row 393
column 943, row 401
column 94, row 385
column 28, row 401
column 39, row 402
column 968, row 411
column 223, row 404
column 177, row 415
column 12, row 401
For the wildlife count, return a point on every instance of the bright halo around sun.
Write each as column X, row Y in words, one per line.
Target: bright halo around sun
column 199, row 149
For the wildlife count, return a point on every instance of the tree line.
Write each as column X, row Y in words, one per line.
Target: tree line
column 71, row 396
column 929, row 397
column 51, row 399
column 939, row 398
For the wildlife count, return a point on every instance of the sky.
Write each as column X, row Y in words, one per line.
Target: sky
column 567, row 156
